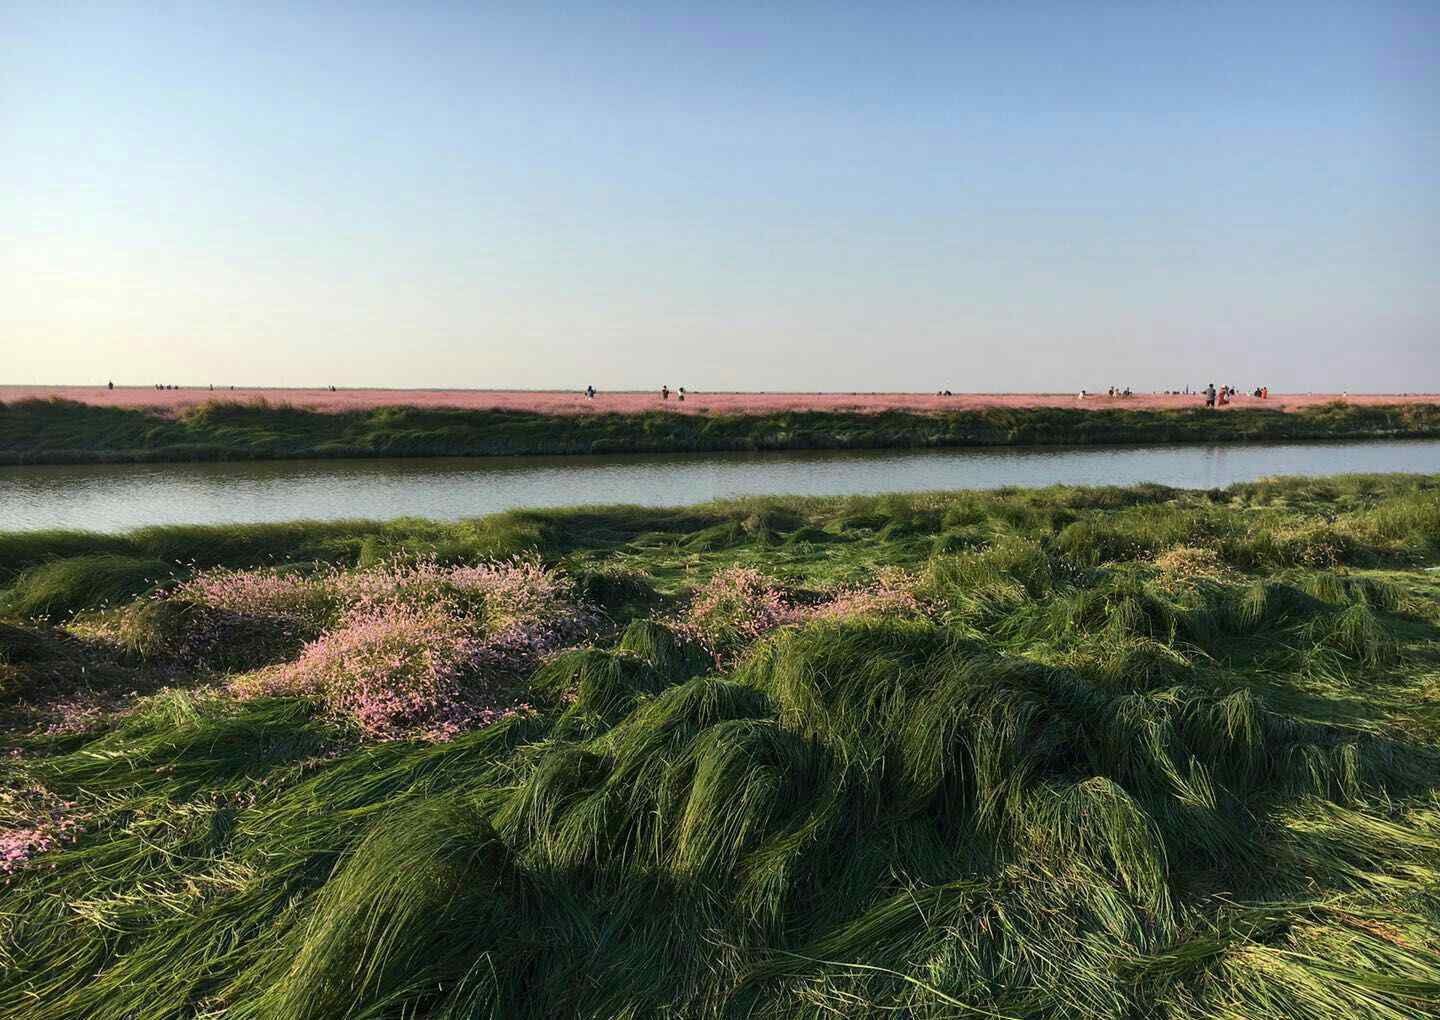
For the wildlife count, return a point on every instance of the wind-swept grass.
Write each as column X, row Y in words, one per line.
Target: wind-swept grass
column 1118, row 753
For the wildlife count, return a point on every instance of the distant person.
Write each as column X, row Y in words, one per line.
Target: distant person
column 589, row 392
column 664, row 392
column 1224, row 395
column 212, row 387
column 110, row 385
column 1210, row 395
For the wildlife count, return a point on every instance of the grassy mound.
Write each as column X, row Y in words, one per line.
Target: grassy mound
column 1120, row 753
column 60, row 588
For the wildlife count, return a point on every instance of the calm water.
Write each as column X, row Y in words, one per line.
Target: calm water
column 116, row 497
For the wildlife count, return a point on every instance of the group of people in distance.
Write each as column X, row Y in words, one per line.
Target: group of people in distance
column 1227, row 393
column 665, row 392
column 1212, row 396
column 171, row 386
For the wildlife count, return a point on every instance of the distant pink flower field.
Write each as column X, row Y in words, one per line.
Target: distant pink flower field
column 629, row 402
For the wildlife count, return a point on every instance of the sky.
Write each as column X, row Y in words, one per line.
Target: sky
column 983, row 196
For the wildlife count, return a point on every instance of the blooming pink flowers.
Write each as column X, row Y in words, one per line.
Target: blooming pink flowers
column 881, row 599
column 49, row 823
column 735, row 607
column 389, row 671
column 289, row 597
column 418, row 648
column 739, row 604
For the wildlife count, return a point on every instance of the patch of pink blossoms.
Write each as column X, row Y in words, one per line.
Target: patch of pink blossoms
column 426, row 650
column 891, row 593
column 49, row 823
column 740, row 604
column 735, row 607
column 85, row 712
column 298, row 599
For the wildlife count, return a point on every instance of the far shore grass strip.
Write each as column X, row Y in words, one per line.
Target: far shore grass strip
column 70, row 432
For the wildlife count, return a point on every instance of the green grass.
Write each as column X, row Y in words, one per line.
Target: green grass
column 1147, row 753
column 59, row 588
column 63, row 432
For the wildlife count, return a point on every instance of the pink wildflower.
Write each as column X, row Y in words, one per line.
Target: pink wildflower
column 734, row 608
column 889, row 593
column 402, row 672
column 307, row 601
column 740, row 604
column 46, row 822
column 76, row 715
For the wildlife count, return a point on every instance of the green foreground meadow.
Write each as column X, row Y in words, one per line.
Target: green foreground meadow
column 1123, row 752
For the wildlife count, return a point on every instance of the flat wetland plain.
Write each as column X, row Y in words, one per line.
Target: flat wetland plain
column 636, row 402
column 1068, row 752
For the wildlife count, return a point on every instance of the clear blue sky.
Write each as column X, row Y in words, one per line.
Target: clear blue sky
column 979, row 196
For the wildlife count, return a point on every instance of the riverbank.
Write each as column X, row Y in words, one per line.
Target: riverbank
column 54, row 431
column 1103, row 751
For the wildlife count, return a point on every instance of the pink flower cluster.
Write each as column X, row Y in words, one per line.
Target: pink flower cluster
column 388, row 671
column 298, row 598
column 500, row 592
column 52, row 822
column 18, row 845
column 425, row 650
column 739, row 604
column 496, row 592
column 735, row 607
column 878, row 600
column 76, row 715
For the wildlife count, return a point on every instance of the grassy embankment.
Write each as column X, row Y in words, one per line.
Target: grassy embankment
column 59, row 432
column 1099, row 753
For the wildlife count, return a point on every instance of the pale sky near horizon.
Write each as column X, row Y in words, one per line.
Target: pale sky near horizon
column 739, row 196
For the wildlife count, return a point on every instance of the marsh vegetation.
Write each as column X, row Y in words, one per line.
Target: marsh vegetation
column 1028, row 753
